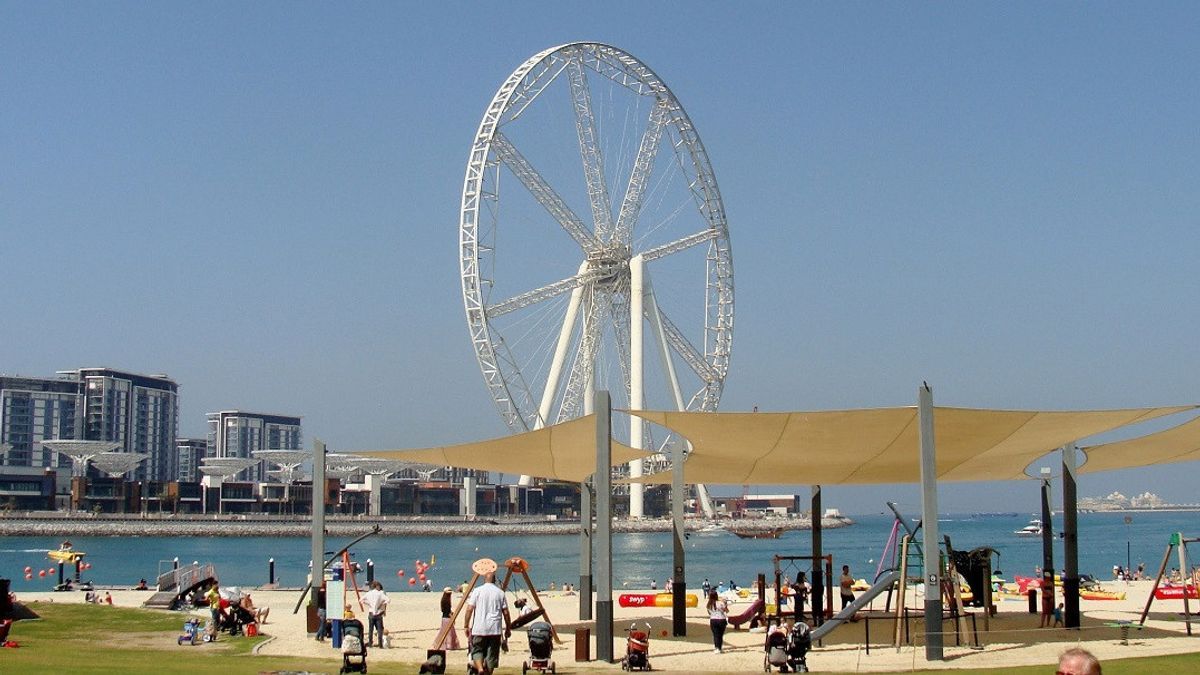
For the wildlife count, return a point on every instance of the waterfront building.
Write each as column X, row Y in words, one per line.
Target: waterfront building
column 237, row 433
column 191, row 452
column 34, row 409
column 138, row 411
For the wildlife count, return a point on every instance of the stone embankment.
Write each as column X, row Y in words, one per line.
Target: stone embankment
column 68, row 525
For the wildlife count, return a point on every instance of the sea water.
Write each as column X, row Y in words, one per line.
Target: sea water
column 638, row 558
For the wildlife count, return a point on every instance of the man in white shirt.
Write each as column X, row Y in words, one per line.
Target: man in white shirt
column 485, row 621
column 375, row 601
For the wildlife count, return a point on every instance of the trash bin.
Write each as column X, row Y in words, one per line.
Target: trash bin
column 583, row 644
column 1033, row 593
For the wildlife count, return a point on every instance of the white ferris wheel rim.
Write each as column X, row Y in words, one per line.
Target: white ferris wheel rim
column 489, row 347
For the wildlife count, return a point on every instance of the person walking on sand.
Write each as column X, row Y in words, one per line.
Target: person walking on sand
column 213, row 596
column 451, row 634
column 718, row 619
column 1058, row 615
column 485, row 621
column 846, row 584
column 375, row 601
column 1078, row 661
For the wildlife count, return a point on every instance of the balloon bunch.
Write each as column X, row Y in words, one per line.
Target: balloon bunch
column 420, row 567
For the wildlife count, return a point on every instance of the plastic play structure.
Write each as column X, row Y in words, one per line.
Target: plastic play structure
column 654, row 600
column 1186, row 591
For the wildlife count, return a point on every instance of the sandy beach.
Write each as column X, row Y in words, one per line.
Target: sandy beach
column 1013, row 639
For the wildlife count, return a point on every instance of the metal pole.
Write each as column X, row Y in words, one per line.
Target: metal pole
column 1070, row 539
column 678, row 580
column 271, row 571
column 929, row 530
column 585, row 550
column 603, row 478
column 318, row 518
column 370, row 570
column 1047, row 547
column 818, row 569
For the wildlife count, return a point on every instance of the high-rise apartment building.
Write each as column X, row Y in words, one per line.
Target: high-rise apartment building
column 236, row 433
column 34, row 409
column 138, row 411
column 192, row 452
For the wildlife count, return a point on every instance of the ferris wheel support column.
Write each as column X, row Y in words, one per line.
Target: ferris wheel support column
column 637, row 491
column 556, row 365
column 664, row 353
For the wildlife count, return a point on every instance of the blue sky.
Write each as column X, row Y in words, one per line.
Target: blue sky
column 262, row 201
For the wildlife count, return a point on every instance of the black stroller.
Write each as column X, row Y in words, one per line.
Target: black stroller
column 354, row 647
column 788, row 649
column 637, row 649
column 541, row 646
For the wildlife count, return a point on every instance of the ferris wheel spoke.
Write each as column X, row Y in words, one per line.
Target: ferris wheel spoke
column 538, row 294
column 543, row 192
column 589, row 148
column 533, row 85
column 684, row 348
column 707, row 234
column 643, row 165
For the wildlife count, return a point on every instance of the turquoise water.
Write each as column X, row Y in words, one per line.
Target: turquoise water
column 637, row 558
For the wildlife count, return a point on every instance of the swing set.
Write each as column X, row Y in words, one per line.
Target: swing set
column 1185, row 591
column 514, row 567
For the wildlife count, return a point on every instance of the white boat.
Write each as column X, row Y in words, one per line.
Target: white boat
column 1033, row 529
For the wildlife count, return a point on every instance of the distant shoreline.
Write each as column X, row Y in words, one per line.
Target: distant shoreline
column 81, row 525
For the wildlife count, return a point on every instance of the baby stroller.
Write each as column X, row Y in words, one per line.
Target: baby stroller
column 637, row 649
column 788, row 649
column 541, row 646
column 354, row 648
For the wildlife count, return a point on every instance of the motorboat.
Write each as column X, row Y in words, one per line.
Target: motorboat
column 1033, row 529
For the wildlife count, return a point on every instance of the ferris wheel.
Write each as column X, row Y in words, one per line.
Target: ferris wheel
column 590, row 212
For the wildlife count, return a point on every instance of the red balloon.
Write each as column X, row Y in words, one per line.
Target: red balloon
column 400, row 572
column 416, row 563
column 421, row 577
column 28, row 569
column 50, row 571
column 41, row 573
column 28, row 576
column 412, row 582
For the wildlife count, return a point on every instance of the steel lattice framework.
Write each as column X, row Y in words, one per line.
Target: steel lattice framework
column 613, row 237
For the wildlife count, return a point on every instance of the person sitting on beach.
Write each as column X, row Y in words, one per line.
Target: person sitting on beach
column 552, row 587
column 108, row 598
column 1078, row 661
column 568, row 589
column 669, row 585
column 522, row 607
column 259, row 613
column 141, row 586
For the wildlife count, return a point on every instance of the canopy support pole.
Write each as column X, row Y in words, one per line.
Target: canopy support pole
column 1047, row 547
column 678, row 583
column 585, row 550
column 603, row 479
column 317, row 575
column 1070, row 539
column 929, row 533
column 818, row 571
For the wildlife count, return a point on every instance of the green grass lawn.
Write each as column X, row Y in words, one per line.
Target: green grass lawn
column 99, row 639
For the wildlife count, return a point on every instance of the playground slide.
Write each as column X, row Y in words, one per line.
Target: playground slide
column 757, row 607
column 885, row 582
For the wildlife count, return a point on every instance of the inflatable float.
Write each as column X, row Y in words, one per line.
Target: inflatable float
column 654, row 600
column 66, row 555
column 1100, row 595
column 1175, row 593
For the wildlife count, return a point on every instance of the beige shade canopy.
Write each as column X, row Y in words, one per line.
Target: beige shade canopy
column 1177, row 444
column 564, row 451
column 876, row 445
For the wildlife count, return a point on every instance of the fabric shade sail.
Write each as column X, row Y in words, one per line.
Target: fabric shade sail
column 564, row 451
column 850, row 447
column 1177, row 444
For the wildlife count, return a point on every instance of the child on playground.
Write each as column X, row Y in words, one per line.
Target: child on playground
column 1058, row 615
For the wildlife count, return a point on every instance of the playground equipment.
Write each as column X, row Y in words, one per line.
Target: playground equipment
column 1186, row 591
column 654, row 600
column 782, row 580
column 480, row 569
